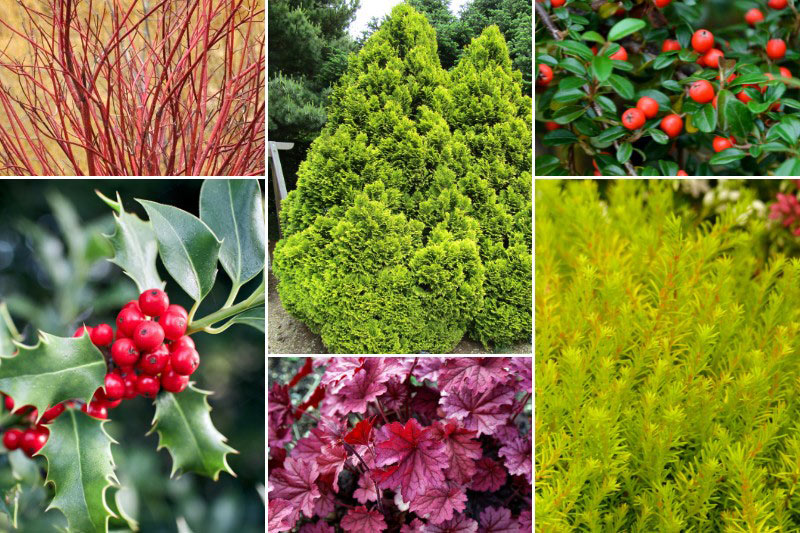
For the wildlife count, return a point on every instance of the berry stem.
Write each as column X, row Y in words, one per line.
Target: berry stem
column 232, row 296
column 206, row 323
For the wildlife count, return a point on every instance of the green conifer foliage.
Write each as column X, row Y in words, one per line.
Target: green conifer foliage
column 666, row 366
column 408, row 225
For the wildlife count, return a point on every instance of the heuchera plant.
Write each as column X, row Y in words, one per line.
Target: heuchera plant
column 404, row 444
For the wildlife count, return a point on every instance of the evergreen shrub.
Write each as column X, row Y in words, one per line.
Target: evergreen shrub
column 411, row 221
column 667, row 366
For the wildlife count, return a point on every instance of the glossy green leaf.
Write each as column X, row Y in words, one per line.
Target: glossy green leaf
column 571, row 64
column 567, row 114
column 593, row 36
column 663, row 61
column 566, row 96
column 623, row 86
column 135, row 247
column 705, row 119
column 252, row 317
column 571, row 82
column 624, row 152
column 790, row 167
column 184, row 427
column 602, row 67
column 609, row 136
column 559, row 137
column 547, row 60
column 625, row 27
column 234, row 211
column 606, row 104
column 188, row 248
column 734, row 116
column 54, row 370
column 668, row 168
column 727, row 156
column 577, row 49
column 81, row 469
column 658, row 136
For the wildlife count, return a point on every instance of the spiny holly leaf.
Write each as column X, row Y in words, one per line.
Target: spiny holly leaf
column 188, row 248
column 183, row 423
column 81, row 468
column 135, row 246
column 252, row 317
column 55, row 370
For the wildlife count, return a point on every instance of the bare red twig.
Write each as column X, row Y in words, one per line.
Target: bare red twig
column 176, row 89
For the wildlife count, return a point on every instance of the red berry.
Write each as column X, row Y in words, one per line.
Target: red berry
column 79, row 332
column 148, row 386
column 174, row 382
column 701, row 91
column 670, row 45
column 130, row 386
column 9, row 402
column 132, row 303
column 127, row 320
column 557, row 3
column 184, row 361
column 682, row 173
column 12, row 439
column 95, row 410
column 153, row 302
column 184, row 342
column 175, row 308
column 702, row 41
column 174, row 324
column 53, row 413
column 648, row 106
column 102, row 335
column 111, row 404
column 154, row 361
column 661, row 3
column 672, row 125
column 785, row 72
column 776, row 48
column 743, row 96
column 124, row 352
column 753, row 16
column 549, row 126
column 777, row 4
column 148, row 335
column 620, row 55
column 33, row 440
column 721, row 143
column 545, row 75
column 633, row 118
column 114, row 386
column 712, row 57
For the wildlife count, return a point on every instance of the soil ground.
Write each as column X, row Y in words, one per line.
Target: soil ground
column 287, row 335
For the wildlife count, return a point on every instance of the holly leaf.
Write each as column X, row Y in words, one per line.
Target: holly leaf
column 234, row 212
column 489, row 475
column 477, row 373
column 188, row 248
column 184, row 427
column 295, row 482
column 81, row 469
column 482, row 412
column 361, row 434
column 460, row 523
column 418, row 459
column 462, row 449
column 54, row 370
column 438, row 504
column 253, row 317
column 135, row 246
column 362, row 520
column 497, row 520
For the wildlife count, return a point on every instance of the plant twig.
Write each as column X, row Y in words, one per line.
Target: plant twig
column 544, row 16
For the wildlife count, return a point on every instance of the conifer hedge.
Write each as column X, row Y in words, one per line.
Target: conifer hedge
column 667, row 366
column 411, row 221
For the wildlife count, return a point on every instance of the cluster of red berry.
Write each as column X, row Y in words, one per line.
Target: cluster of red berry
column 150, row 352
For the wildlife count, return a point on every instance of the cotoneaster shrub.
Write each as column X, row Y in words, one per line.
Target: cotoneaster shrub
column 666, row 365
column 410, row 224
column 426, row 445
column 661, row 87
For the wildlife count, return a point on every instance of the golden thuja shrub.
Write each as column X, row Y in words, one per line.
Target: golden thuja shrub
column 245, row 47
